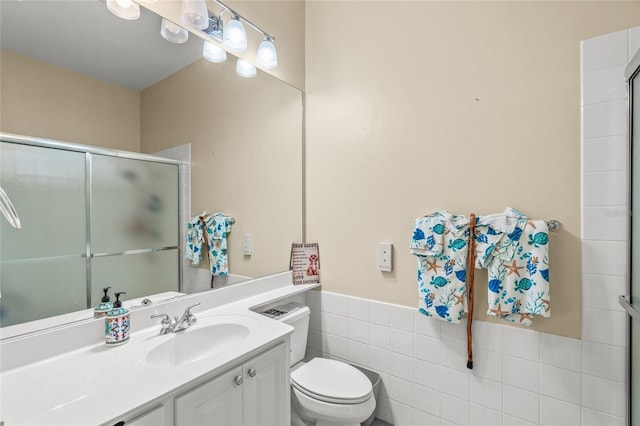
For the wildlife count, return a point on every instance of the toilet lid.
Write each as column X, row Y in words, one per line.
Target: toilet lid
column 332, row 381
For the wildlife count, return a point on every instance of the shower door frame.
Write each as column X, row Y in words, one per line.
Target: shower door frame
column 632, row 72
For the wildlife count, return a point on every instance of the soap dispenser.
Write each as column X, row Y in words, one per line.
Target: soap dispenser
column 117, row 324
column 105, row 305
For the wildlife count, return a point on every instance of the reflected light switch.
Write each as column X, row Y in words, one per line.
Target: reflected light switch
column 247, row 245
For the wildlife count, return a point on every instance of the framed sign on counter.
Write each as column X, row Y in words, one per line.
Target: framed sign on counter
column 305, row 263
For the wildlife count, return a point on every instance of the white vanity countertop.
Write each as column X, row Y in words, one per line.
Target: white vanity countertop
column 96, row 384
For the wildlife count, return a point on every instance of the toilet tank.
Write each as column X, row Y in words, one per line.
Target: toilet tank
column 297, row 316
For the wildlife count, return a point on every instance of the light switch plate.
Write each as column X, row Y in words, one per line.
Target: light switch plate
column 247, row 245
column 384, row 256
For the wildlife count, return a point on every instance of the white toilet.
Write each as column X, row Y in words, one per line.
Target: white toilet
column 324, row 392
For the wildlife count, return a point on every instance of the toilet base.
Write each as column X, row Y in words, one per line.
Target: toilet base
column 297, row 421
column 325, row 423
column 353, row 416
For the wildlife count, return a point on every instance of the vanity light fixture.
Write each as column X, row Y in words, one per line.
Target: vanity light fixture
column 172, row 32
column 195, row 14
column 267, row 56
column 234, row 36
column 213, row 53
column 125, row 9
column 245, row 69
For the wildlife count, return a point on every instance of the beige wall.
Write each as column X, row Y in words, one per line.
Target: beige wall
column 246, row 154
column 466, row 106
column 42, row 100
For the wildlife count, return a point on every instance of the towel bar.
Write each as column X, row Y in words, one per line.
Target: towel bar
column 553, row 225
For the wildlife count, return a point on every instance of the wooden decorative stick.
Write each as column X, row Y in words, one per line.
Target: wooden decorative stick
column 471, row 266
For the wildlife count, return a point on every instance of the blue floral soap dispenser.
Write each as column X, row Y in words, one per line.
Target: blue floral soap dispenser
column 105, row 305
column 117, row 324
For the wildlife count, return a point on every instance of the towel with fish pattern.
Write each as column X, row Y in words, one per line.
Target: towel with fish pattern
column 517, row 260
column 194, row 240
column 440, row 242
column 215, row 227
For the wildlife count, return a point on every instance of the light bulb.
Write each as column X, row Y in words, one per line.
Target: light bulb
column 125, row 9
column 245, row 69
column 172, row 32
column 195, row 14
column 267, row 55
column 235, row 36
column 213, row 53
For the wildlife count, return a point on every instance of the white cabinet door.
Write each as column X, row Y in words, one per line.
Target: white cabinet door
column 154, row 417
column 215, row 403
column 266, row 389
column 255, row 393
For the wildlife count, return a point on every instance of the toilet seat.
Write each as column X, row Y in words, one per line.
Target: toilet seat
column 318, row 378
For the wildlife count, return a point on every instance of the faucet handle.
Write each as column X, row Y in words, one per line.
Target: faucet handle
column 188, row 316
column 165, row 318
column 188, row 310
column 191, row 319
column 165, row 323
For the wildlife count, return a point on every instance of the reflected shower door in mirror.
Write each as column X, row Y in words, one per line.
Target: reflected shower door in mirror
column 89, row 221
column 134, row 226
column 43, row 265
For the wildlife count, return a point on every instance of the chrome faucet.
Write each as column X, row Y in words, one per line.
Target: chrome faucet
column 178, row 324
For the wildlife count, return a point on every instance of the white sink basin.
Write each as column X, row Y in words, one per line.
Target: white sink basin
column 197, row 342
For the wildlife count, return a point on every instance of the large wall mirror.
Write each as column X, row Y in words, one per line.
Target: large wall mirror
column 244, row 135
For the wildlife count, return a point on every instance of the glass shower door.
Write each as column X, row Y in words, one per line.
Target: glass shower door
column 134, row 226
column 42, row 265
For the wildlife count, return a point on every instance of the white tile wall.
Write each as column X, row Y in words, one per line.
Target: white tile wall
column 604, row 227
column 520, row 376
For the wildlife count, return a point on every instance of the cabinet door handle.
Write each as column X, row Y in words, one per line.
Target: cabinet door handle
column 252, row 372
column 238, row 380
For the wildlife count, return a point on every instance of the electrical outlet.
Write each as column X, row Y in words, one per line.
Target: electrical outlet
column 384, row 256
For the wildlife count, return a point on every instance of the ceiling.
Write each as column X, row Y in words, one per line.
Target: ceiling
column 82, row 35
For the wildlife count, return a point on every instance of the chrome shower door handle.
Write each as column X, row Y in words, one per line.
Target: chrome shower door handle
column 629, row 308
column 8, row 211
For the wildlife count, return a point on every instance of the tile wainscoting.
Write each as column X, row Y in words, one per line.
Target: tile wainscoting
column 520, row 377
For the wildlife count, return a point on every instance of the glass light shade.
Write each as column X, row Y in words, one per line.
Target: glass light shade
column 194, row 13
column 172, row 32
column 245, row 69
column 234, row 36
column 267, row 55
column 125, row 9
column 213, row 53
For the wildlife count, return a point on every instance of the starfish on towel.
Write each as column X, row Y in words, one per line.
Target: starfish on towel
column 513, row 268
column 433, row 266
column 498, row 312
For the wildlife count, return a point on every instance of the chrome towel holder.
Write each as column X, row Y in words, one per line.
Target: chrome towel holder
column 553, row 225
